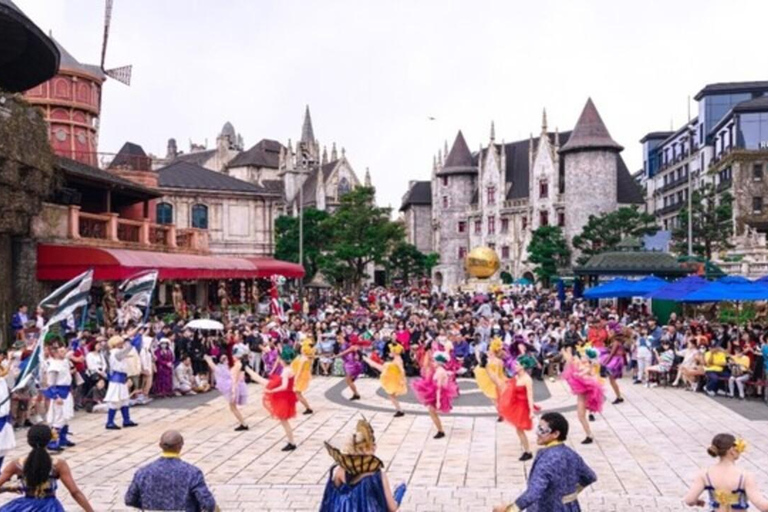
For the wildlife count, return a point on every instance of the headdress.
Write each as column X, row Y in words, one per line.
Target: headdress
column 526, row 361
column 307, row 347
column 496, row 345
column 357, row 463
column 591, row 353
column 287, row 354
column 396, row 348
column 114, row 341
column 440, row 357
column 740, row 445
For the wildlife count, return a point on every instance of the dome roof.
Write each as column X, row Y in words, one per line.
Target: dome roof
column 228, row 131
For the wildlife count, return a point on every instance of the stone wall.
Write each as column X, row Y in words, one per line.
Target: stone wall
column 459, row 192
column 418, row 227
column 590, row 187
column 745, row 188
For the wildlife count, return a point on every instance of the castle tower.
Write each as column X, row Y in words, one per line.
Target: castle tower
column 453, row 186
column 591, row 164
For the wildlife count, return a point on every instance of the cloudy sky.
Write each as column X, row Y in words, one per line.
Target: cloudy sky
column 374, row 72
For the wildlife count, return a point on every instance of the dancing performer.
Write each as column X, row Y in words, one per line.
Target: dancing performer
column 357, row 480
column 39, row 475
column 613, row 359
column 579, row 375
column 61, row 408
column 231, row 382
column 392, row 376
column 302, row 369
column 436, row 391
column 353, row 366
column 515, row 403
column 7, row 438
column 279, row 396
column 491, row 364
column 117, row 391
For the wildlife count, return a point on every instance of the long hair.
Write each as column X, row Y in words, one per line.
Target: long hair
column 37, row 467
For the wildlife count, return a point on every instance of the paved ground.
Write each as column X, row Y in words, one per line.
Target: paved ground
column 647, row 449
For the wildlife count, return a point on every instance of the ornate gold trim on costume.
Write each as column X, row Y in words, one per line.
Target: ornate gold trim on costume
column 354, row 464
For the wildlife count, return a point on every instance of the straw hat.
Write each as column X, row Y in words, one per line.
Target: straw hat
column 115, row 341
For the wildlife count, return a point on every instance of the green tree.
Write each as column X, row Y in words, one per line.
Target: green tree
column 359, row 233
column 548, row 250
column 712, row 223
column 406, row 261
column 604, row 232
column 315, row 239
column 430, row 261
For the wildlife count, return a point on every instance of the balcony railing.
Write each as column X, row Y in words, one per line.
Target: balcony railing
column 670, row 208
column 56, row 222
column 673, row 183
column 724, row 185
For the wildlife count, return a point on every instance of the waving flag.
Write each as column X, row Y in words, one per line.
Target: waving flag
column 58, row 306
column 136, row 293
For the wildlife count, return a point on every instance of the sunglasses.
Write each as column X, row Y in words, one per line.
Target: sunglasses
column 543, row 431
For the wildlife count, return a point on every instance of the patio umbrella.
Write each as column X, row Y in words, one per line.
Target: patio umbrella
column 678, row 289
column 731, row 288
column 607, row 290
column 645, row 285
column 205, row 324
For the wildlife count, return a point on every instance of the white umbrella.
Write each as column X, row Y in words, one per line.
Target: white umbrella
column 205, row 324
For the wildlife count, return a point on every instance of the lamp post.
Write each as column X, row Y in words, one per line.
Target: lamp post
column 306, row 163
column 691, row 134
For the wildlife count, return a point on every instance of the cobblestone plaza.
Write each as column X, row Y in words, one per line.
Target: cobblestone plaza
column 647, row 449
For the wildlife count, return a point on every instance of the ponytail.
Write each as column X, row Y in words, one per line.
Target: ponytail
column 37, row 467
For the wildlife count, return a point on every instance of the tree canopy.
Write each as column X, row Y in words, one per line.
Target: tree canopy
column 712, row 223
column 549, row 251
column 603, row 232
column 359, row 233
column 315, row 239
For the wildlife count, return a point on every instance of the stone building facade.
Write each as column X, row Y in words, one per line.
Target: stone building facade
column 416, row 211
column 497, row 196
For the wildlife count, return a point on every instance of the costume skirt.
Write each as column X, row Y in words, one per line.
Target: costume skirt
column 589, row 387
column 393, row 380
column 224, row 385
column 117, row 392
column 514, row 407
column 280, row 405
column 426, row 393
column 27, row 504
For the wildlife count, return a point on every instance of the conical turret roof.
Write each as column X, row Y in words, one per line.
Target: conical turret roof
column 459, row 159
column 307, row 133
column 590, row 133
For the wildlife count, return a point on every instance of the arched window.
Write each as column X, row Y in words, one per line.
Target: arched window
column 200, row 216
column 343, row 186
column 164, row 213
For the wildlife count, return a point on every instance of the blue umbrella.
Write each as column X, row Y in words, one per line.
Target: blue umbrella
column 645, row 285
column 678, row 289
column 607, row 290
column 732, row 288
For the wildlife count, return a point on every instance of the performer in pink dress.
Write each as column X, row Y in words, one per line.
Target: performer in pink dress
column 437, row 390
column 580, row 375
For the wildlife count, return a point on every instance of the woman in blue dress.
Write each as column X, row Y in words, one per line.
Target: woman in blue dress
column 39, row 475
column 357, row 481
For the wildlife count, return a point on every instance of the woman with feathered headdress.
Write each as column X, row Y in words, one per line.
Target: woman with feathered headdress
column 302, row 369
column 357, row 481
column 279, row 396
column 392, row 376
column 436, row 391
column 585, row 384
column 515, row 402
column 491, row 363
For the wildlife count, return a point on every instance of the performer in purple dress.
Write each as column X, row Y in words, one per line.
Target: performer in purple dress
column 353, row 366
column 557, row 475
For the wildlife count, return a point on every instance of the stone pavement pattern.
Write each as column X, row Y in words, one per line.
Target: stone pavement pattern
column 646, row 451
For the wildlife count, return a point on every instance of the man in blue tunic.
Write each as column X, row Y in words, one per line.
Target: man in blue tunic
column 169, row 483
column 557, row 475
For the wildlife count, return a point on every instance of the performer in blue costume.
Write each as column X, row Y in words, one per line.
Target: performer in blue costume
column 59, row 392
column 357, row 481
column 39, row 475
column 117, row 391
column 557, row 475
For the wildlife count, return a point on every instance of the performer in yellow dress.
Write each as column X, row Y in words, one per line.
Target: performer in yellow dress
column 302, row 369
column 392, row 376
column 493, row 365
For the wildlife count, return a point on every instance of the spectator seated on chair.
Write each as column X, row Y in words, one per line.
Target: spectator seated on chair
column 666, row 358
column 716, row 368
column 739, row 368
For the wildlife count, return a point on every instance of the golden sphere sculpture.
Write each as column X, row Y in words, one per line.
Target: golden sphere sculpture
column 482, row 262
